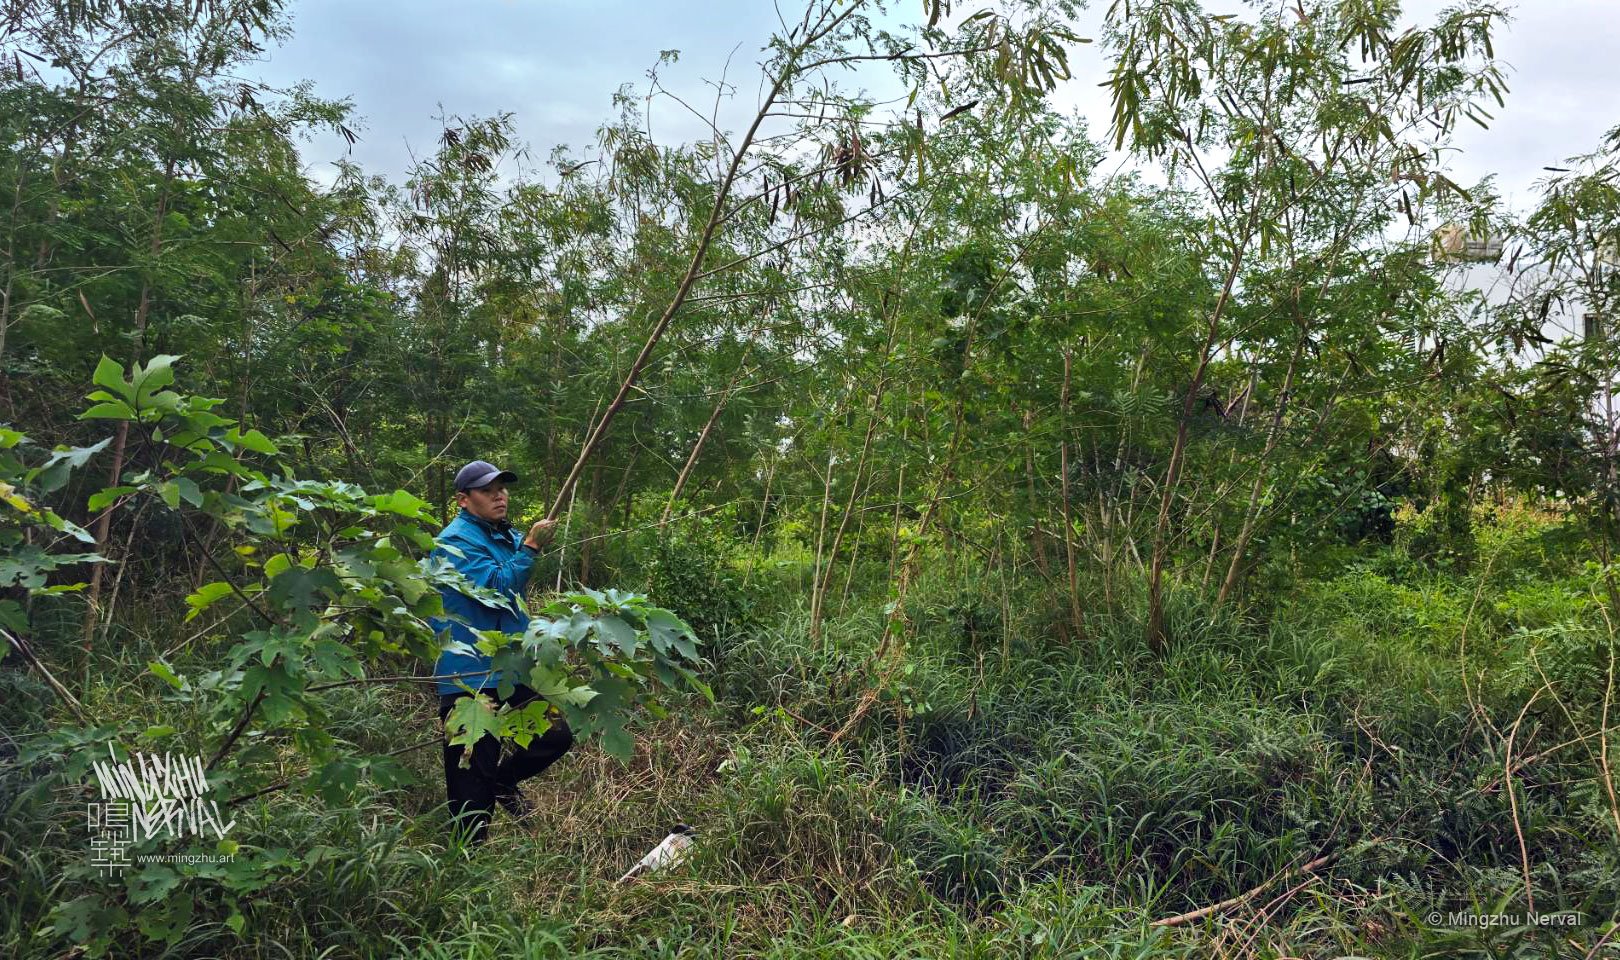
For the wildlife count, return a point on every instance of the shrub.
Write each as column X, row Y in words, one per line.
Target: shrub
column 689, row 566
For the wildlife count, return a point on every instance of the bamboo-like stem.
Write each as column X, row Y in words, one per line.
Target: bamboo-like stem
column 1077, row 618
column 855, row 555
column 894, row 638
column 1513, row 804
column 899, row 489
column 562, row 547
column 123, row 564
column 1191, row 915
column 823, row 578
column 1157, row 637
column 821, row 540
column 1604, row 768
column 703, row 435
column 1037, row 534
column 854, row 562
column 789, row 69
column 1251, row 512
column 823, row 574
column 759, row 528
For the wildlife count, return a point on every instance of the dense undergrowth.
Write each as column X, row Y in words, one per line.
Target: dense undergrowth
column 1077, row 546
column 1013, row 795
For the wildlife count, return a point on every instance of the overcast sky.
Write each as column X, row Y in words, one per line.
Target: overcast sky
column 556, row 63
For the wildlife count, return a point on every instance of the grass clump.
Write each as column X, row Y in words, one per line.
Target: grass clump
column 1009, row 794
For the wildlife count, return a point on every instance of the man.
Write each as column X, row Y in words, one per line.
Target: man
column 494, row 555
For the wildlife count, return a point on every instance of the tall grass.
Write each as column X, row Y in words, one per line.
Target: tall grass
column 1010, row 795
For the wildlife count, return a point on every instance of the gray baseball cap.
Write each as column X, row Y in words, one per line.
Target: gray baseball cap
column 481, row 473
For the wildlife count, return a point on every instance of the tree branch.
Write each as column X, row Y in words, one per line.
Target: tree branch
column 22, row 647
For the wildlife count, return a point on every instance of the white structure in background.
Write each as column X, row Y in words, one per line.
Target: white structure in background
column 1455, row 243
column 1607, row 258
column 1477, row 262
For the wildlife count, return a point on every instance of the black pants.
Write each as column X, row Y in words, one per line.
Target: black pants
column 473, row 790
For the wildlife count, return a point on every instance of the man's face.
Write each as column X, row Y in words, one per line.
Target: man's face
column 487, row 502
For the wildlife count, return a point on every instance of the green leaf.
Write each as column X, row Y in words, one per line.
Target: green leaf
column 157, row 374
column 252, row 440
column 301, row 589
column 206, row 596
column 528, row 722
column 189, row 491
column 55, row 522
column 669, row 631
column 469, row 720
column 399, row 502
column 102, row 498
column 337, row 780
column 152, row 883
column 618, row 633
column 58, row 588
column 116, row 410
column 11, row 498
column 281, row 690
column 388, row 774
column 53, row 473
column 696, row 684
column 27, row 565
column 618, row 743
column 110, row 374
column 201, row 421
column 421, row 538
column 333, row 659
column 13, row 617
column 578, row 625
column 554, row 686
column 165, row 673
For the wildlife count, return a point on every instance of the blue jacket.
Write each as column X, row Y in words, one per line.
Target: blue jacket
column 493, row 557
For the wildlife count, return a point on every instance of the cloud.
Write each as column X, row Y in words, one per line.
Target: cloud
column 556, row 63
column 1561, row 55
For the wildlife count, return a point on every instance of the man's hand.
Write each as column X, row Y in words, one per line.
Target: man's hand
column 540, row 534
